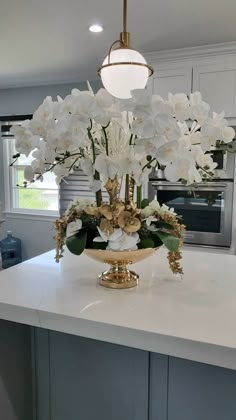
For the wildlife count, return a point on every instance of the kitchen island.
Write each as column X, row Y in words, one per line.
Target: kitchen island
column 166, row 350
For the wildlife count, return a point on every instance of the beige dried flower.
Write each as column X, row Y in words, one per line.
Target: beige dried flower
column 92, row 211
column 106, row 211
column 106, row 227
column 129, row 222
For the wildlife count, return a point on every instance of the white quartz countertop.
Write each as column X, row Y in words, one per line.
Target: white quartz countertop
column 192, row 318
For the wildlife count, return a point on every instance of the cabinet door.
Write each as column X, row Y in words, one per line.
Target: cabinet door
column 91, row 380
column 16, row 399
column 177, row 80
column 217, row 86
column 184, row 390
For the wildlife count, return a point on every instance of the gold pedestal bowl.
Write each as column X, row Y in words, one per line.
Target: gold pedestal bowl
column 119, row 276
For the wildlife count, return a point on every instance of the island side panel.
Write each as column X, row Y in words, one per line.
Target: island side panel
column 16, row 401
column 199, row 391
column 91, row 379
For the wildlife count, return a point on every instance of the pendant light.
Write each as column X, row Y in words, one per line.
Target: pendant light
column 124, row 69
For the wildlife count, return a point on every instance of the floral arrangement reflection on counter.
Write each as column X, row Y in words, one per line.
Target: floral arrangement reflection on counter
column 117, row 143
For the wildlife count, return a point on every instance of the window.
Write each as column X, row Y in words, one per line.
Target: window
column 39, row 198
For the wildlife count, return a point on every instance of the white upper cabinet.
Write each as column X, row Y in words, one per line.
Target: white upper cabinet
column 174, row 80
column 217, row 84
column 210, row 69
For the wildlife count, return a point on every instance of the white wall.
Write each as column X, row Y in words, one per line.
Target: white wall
column 36, row 235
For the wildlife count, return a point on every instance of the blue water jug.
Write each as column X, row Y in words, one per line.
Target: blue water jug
column 11, row 251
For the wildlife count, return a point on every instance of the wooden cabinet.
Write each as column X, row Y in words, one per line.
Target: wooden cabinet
column 173, row 80
column 217, row 84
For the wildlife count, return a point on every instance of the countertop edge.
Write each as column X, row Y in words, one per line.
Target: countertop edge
column 183, row 348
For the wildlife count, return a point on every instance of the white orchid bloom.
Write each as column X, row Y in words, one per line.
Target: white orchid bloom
column 149, row 221
column 205, row 161
column 104, row 99
column 154, row 206
column 217, row 128
column 25, row 141
column 79, row 204
column 107, row 166
column 86, row 165
column 124, row 242
column 165, row 209
column 28, row 173
column 181, row 106
column 228, row 134
column 167, row 127
column 183, row 168
column 159, row 106
column 73, row 227
column 168, row 152
column 95, row 185
column 141, row 98
column 61, row 171
column 143, row 127
column 151, row 209
column 199, row 109
column 46, row 111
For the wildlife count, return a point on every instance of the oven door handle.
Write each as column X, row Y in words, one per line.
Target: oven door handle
column 178, row 184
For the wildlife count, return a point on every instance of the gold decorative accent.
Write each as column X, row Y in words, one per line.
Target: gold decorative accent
column 126, row 63
column 113, row 187
column 131, row 189
column 119, row 276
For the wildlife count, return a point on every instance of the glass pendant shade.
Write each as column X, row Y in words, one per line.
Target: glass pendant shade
column 120, row 79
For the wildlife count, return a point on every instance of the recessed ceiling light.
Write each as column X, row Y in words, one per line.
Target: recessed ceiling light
column 96, row 28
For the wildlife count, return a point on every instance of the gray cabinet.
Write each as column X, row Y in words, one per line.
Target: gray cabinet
column 184, row 390
column 89, row 379
column 198, row 391
column 54, row 376
column 15, row 372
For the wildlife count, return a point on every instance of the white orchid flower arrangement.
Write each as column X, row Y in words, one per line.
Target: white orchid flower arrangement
column 119, row 142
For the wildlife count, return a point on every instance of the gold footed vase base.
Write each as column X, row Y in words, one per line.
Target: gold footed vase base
column 119, row 276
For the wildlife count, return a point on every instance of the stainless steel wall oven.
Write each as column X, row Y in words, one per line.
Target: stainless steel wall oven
column 207, row 209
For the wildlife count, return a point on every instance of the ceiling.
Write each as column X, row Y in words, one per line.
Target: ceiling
column 47, row 41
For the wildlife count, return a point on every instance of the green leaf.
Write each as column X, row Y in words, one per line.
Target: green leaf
column 144, row 203
column 170, row 241
column 156, row 239
column 99, row 245
column 146, row 243
column 164, row 225
column 77, row 242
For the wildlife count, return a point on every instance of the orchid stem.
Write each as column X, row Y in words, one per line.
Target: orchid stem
column 126, row 189
column 106, row 140
column 98, row 193
column 96, row 174
column 139, row 196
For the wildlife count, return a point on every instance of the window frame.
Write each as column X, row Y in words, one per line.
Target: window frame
column 9, row 190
